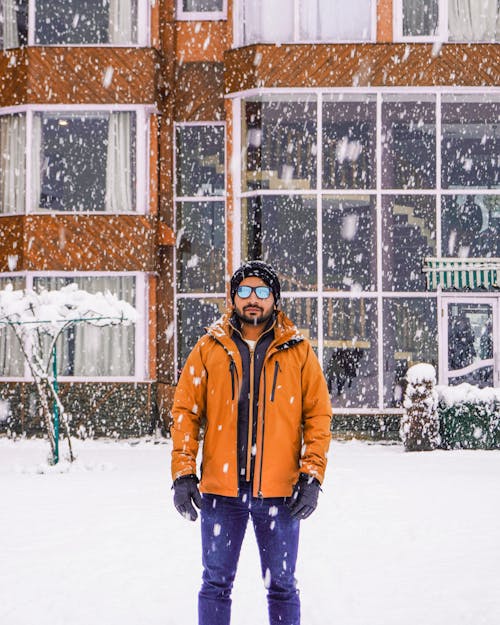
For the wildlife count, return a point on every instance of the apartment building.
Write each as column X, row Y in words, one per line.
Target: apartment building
column 148, row 147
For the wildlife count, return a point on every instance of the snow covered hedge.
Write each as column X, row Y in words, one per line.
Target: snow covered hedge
column 450, row 417
column 469, row 417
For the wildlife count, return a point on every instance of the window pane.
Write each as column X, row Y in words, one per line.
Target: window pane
column 350, row 351
column 267, row 22
column 281, row 142
column 470, row 142
column 474, row 21
column 470, row 226
column 349, row 136
column 303, row 311
column 410, row 337
column 335, row 20
column 85, row 21
column 420, row 18
column 408, row 143
column 11, row 354
column 84, row 161
column 471, row 343
column 89, row 351
column 282, row 231
column 13, row 23
column 200, row 246
column 409, row 235
column 12, row 163
column 193, row 316
column 200, row 161
column 202, row 5
column 349, row 243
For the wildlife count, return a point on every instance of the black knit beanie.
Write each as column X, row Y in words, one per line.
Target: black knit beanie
column 259, row 269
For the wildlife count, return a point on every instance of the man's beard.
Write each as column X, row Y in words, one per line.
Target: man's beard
column 254, row 321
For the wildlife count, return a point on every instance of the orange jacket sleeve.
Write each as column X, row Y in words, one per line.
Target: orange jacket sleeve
column 188, row 412
column 316, row 417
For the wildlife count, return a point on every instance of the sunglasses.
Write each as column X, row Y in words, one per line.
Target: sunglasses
column 262, row 292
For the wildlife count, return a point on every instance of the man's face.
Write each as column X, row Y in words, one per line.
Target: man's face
column 253, row 309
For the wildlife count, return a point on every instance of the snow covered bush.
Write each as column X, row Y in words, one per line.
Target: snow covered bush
column 419, row 429
column 469, row 416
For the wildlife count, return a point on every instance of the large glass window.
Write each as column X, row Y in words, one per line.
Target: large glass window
column 410, row 337
column 86, row 22
column 470, row 142
column 349, row 131
column 85, row 350
column 281, row 143
column 448, row 20
column 84, row 161
column 11, row 353
column 408, row 142
column 347, row 223
column 73, row 22
column 12, row 163
column 279, row 21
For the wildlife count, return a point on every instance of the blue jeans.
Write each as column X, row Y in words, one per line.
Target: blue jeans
column 223, row 524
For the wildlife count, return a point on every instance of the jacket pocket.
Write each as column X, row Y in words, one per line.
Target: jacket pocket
column 275, row 379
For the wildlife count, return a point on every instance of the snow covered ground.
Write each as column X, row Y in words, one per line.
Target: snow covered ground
column 398, row 539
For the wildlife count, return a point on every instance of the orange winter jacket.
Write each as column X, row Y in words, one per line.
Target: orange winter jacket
column 293, row 422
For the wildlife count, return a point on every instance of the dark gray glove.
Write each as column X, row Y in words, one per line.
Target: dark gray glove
column 304, row 497
column 185, row 494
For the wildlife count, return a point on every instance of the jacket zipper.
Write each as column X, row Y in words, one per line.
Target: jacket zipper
column 259, row 491
column 250, row 415
column 275, row 378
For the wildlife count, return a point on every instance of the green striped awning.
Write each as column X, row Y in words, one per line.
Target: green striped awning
column 462, row 273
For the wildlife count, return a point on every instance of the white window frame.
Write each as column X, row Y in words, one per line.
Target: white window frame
column 141, row 347
column 200, row 16
column 142, row 156
column 143, row 29
column 238, row 27
column 379, row 295
column 179, row 198
column 442, row 34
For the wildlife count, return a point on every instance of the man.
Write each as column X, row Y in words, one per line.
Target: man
column 255, row 385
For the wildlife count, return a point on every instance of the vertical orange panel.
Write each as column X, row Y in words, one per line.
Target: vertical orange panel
column 152, row 327
column 155, row 24
column 228, row 104
column 153, row 165
column 385, row 21
column 230, row 24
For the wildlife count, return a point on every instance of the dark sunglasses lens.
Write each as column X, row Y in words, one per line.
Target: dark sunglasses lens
column 244, row 291
column 262, row 292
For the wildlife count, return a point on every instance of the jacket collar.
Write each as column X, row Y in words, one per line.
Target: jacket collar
column 286, row 333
